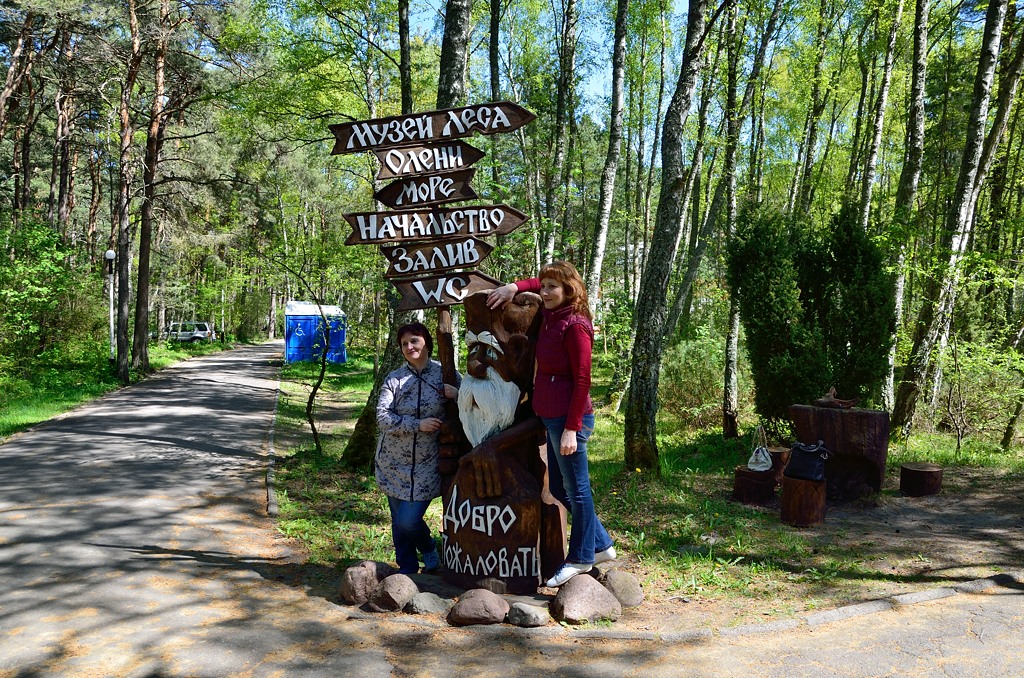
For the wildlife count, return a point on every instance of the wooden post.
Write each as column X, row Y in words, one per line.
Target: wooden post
column 803, row 502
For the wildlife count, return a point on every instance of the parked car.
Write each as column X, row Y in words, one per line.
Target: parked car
column 190, row 331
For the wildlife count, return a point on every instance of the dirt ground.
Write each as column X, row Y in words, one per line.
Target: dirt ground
column 974, row 528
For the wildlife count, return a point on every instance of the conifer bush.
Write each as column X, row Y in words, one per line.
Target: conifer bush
column 817, row 310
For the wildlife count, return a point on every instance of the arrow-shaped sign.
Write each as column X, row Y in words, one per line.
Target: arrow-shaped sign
column 374, row 228
column 441, row 290
column 443, row 156
column 409, row 260
column 415, row 128
column 429, row 190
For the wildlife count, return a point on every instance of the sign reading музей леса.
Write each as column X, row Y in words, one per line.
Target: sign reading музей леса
column 430, row 167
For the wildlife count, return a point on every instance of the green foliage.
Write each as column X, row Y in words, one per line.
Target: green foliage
column 818, row 312
column 44, row 301
column 982, row 386
column 690, row 385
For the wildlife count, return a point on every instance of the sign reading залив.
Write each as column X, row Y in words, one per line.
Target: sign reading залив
column 404, row 130
column 430, row 167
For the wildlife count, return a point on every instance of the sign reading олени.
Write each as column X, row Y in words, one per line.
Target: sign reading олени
column 429, row 166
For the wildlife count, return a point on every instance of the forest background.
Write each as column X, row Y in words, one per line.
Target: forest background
column 859, row 162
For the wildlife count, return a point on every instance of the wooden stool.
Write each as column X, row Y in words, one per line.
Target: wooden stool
column 752, row 487
column 919, row 479
column 803, row 502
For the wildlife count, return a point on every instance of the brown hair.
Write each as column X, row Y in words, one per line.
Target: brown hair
column 417, row 330
column 566, row 275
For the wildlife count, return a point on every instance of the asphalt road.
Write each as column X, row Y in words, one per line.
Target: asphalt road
column 134, row 542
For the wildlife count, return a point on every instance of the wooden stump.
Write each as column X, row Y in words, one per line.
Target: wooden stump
column 753, row 487
column 780, row 457
column 803, row 502
column 919, row 479
column 854, row 431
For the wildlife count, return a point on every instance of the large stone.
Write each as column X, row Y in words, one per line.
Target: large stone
column 478, row 606
column 583, row 600
column 521, row 614
column 394, row 593
column 428, row 603
column 360, row 581
column 624, row 587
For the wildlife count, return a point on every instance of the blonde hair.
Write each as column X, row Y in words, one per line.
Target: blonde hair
column 566, row 275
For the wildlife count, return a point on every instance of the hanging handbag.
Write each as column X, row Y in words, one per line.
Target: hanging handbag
column 807, row 462
column 759, row 460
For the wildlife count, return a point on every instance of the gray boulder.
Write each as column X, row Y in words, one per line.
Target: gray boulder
column 360, row 581
column 583, row 600
column 394, row 593
column 521, row 614
column 478, row 606
column 624, row 586
column 428, row 603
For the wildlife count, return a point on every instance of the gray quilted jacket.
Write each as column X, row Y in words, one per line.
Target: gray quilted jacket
column 406, row 459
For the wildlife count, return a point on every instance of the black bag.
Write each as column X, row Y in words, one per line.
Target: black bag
column 807, row 462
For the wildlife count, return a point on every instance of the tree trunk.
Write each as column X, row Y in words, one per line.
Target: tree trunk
column 563, row 99
column 611, row 164
column 868, row 177
column 151, row 162
column 19, row 67
column 451, row 82
column 451, row 92
column 800, row 196
column 730, row 394
column 131, row 74
column 642, row 400
column 405, row 56
column 939, row 298
column 910, row 175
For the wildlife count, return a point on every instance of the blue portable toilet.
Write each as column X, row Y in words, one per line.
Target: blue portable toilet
column 304, row 332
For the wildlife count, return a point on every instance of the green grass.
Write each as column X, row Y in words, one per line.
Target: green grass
column 679, row 532
column 53, row 385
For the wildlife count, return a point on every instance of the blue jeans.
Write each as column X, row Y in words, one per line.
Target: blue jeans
column 569, row 481
column 410, row 533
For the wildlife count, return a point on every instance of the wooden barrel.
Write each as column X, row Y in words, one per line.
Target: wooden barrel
column 752, row 487
column 919, row 479
column 803, row 502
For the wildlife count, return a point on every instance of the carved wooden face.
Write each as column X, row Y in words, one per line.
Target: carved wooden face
column 500, row 338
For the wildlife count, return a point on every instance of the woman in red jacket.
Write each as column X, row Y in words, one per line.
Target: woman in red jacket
column 561, row 398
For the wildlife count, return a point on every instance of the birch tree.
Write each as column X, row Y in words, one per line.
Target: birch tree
column 941, row 293
column 611, row 164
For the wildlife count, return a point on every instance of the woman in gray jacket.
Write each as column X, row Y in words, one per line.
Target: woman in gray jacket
column 409, row 414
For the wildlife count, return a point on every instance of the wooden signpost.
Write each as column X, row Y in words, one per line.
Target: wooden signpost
column 441, row 290
column 416, row 128
column 432, row 257
column 375, row 228
column 432, row 189
column 445, row 156
column 433, row 252
column 429, row 166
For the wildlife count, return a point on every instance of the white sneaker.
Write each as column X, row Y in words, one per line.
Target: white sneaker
column 567, row 572
column 604, row 556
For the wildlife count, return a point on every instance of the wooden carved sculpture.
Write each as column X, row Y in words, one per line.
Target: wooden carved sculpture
column 502, row 528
